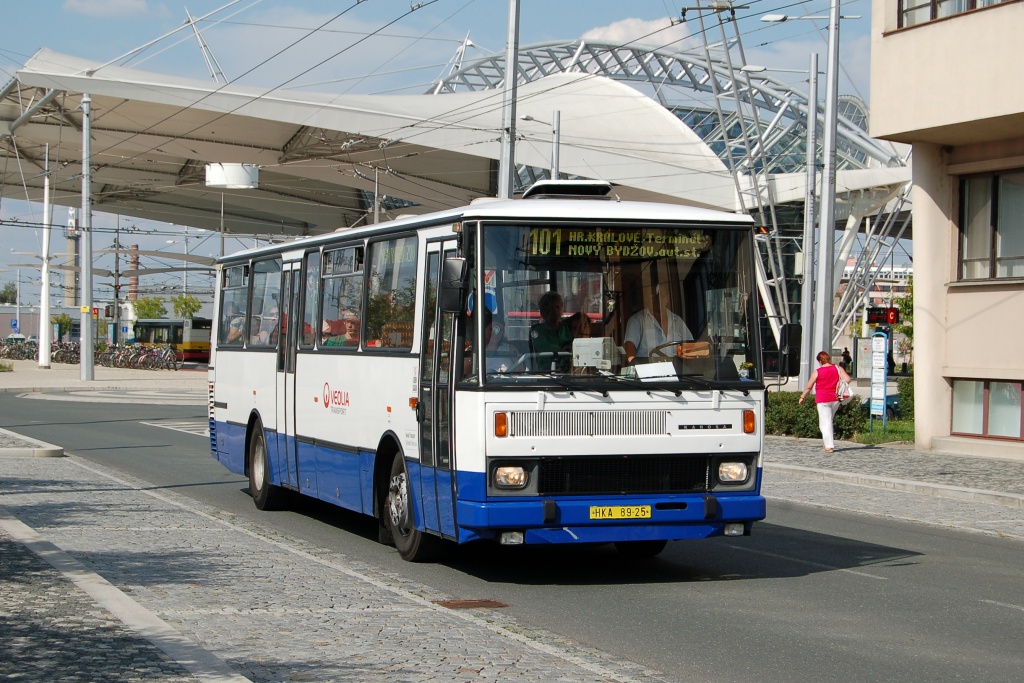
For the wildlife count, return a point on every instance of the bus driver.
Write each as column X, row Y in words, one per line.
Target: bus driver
column 653, row 326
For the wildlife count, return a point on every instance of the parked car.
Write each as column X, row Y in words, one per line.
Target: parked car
column 33, row 338
column 892, row 406
column 15, row 337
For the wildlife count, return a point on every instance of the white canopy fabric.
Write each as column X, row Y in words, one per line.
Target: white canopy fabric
column 153, row 134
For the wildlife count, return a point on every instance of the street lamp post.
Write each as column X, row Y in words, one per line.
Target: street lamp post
column 825, row 290
column 556, row 135
column 184, row 282
column 807, row 274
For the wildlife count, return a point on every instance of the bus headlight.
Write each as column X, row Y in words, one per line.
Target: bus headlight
column 510, row 477
column 732, row 472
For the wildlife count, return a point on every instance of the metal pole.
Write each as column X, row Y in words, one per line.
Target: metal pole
column 17, row 302
column 184, row 283
column 45, row 332
column 86, row 229
column 807, row 289
column 114, row 337
column 826, row 235
column 507, row 159
column 221, row 223
column 376, row 195
column 556, row 135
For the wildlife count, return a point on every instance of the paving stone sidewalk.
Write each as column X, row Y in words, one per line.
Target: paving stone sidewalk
column 268, row 608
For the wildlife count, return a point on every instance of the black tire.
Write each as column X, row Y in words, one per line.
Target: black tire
column 264, row 494
column 413, row 545
column 640, row 549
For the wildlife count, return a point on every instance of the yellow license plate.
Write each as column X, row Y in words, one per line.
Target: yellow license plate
column 620, row 511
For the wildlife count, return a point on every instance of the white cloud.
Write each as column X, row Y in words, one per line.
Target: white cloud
column 657, row 32
column 106, row 8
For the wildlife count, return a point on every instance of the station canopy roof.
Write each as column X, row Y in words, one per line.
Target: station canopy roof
column 321, row 155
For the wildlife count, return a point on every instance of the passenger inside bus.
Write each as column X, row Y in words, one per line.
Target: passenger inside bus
column 579, row 325
column 551, row 336
column 348, row 333
column 233, row 323
column 269, row 326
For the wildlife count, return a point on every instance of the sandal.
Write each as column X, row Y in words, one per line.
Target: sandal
column 829, row 450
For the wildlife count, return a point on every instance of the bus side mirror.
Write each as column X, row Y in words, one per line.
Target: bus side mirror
column 789, row 350
column 453, row 285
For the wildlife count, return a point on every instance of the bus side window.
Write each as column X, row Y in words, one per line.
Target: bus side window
column 310, row 314
column 233, row 306
column 342, row 298
column 264, row 311
column 392, row 293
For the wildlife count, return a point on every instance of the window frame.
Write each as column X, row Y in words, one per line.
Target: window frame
column 993, row 258
column 355, row 269
column 986, row 405
column 904, row 9
column 379, row 343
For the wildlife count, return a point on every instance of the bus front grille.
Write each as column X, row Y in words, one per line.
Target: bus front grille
column 526, row 423
column 623, row 474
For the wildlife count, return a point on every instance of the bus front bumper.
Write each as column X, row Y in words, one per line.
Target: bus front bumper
column 571, row 520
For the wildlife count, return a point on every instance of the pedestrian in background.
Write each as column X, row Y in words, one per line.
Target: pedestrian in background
column 824, row 381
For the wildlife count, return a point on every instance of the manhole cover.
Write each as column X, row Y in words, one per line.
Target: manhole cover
column 470, row 604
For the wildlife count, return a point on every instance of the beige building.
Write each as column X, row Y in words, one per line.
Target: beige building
column 946, row 77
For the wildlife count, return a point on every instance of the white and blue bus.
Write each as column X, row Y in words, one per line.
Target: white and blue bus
column 555, row 369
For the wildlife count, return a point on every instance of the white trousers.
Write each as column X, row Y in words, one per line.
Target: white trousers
column 826, row 411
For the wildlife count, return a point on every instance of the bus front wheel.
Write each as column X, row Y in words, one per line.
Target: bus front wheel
column 264, row 494
column 413, row 545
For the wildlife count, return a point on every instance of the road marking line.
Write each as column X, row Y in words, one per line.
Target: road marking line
column 1003, row 604
column 197, row 428
column 808, row 562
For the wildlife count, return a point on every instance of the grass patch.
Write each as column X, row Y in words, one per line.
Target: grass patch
column 895, row 430
column 6, row 367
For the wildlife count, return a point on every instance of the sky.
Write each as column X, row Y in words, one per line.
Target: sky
column 366, row 46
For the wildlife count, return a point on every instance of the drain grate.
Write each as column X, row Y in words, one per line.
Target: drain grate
column 470, row 604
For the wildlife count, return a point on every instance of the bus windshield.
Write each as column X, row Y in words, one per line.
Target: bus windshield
column 592, row 304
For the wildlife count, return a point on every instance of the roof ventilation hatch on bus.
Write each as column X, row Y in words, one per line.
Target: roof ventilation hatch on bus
column 569, row 189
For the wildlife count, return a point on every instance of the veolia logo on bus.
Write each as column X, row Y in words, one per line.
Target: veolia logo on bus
column 335, row 400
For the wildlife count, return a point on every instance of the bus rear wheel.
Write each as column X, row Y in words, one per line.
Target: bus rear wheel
column 412, row 544
column 264, row 494
column 640, row 549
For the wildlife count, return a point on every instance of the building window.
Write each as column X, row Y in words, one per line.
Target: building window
column 987, row 408
column 913, row 12
column 992, row 226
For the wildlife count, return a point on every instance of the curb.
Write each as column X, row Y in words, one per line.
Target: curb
column 29, row 448
column 938, row 490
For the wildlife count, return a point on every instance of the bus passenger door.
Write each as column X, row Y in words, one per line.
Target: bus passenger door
column 287, row 445
column 437, row 483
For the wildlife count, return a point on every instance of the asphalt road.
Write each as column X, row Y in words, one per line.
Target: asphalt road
column 814, row 595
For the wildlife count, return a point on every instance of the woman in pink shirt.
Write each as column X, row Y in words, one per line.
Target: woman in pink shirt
column 824, row 381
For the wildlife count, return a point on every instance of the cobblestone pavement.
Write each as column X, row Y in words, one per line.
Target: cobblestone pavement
column 269, row 608
column 983, row 495
column 104, row 578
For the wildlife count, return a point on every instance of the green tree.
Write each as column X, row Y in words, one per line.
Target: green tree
column 8, row 294
column 150, row 307
column 65, row 322
column 905, row 326
column 185, row 305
